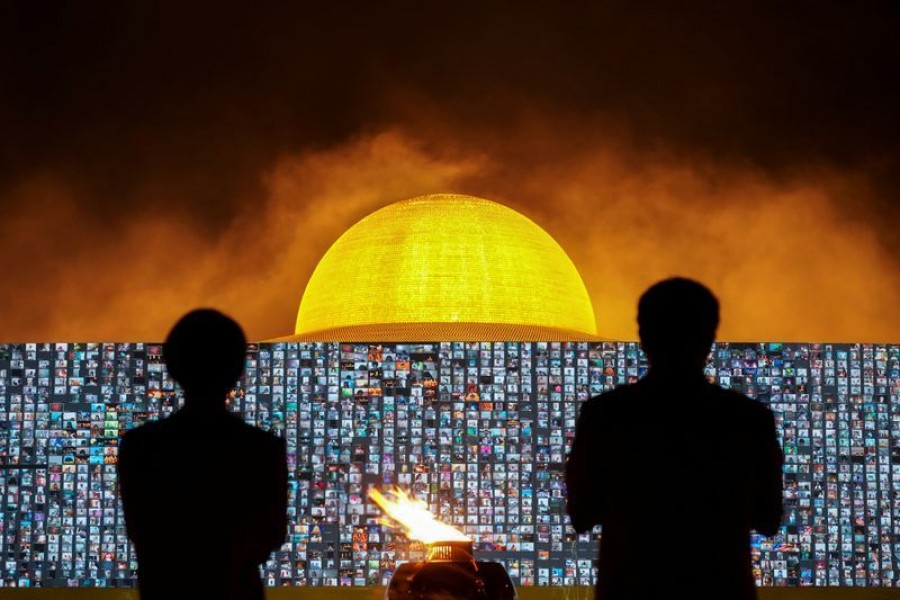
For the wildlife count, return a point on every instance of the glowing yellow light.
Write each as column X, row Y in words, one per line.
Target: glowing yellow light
column 415, row 518
column 445, row 267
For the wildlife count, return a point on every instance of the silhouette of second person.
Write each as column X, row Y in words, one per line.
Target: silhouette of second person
column 204, row 494
column 676, row 470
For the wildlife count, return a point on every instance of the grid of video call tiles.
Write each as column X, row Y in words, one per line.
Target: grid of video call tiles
column 478, row 430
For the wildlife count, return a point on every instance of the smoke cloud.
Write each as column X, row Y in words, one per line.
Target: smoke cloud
column 156, row 158
column 784, row 261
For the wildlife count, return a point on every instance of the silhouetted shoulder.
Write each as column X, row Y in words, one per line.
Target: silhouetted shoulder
column 138, row 436
column 611, row 398
column 624, row 400
column 743, row 406
column 194, row 428
column 255, row 434
column 612, row 402
column 265, row 439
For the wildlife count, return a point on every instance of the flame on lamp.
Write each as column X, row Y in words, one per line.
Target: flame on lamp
column 413, row 515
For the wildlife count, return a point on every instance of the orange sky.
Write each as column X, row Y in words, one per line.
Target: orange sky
column 787, row 259
column 158, row 158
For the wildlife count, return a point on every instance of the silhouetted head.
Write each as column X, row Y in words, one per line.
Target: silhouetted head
column 205, row 354
column 677, row 320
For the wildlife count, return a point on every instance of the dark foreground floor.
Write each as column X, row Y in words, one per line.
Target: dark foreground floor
column 377, row 593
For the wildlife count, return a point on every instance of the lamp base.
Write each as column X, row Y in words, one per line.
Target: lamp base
column 451, row 580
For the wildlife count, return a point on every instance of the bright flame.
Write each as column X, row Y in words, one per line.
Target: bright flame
column 413, row 515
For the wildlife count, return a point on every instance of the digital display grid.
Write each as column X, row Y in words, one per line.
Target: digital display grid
column 478, row 430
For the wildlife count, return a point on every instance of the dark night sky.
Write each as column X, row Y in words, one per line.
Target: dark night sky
column 159, row 157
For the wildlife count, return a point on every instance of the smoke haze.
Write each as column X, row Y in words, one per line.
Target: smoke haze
column 158, row 160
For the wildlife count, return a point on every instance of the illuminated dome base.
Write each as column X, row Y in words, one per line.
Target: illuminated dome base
column 442, row 332
column 445, row 267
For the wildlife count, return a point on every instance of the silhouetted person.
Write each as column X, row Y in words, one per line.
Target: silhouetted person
column 675, row 469
column 204, row 493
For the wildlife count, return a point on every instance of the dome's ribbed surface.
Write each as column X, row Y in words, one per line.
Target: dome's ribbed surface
column 458, row 266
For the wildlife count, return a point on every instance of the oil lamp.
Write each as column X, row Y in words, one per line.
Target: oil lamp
column 450, row 571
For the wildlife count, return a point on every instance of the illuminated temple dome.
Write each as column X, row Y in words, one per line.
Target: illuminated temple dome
column 445, row 267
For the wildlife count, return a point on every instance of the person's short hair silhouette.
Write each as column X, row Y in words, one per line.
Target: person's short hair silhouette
column 677, row 322
column 677, row 471
column 204, row 494
column 205, row 354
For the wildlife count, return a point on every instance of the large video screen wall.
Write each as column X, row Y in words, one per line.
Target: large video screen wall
column 478, row 430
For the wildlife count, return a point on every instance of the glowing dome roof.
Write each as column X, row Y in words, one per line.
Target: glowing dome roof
column 445, row 267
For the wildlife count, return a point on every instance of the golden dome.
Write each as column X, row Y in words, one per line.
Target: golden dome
column 445, row 267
